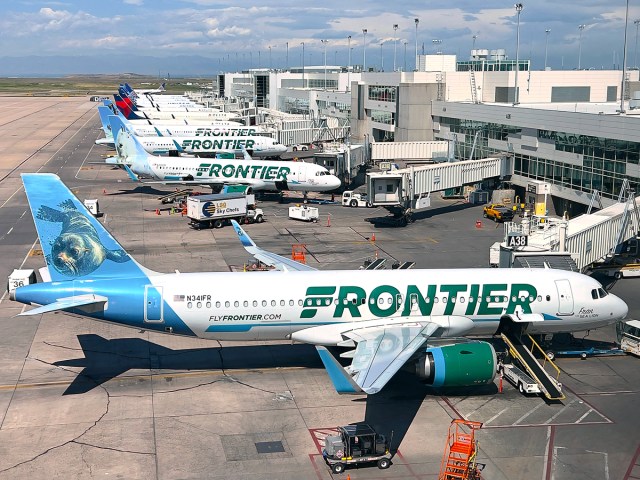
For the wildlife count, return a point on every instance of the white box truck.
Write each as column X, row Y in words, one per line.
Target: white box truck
column 215, row 211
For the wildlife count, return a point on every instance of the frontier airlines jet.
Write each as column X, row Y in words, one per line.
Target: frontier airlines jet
column 385, row 319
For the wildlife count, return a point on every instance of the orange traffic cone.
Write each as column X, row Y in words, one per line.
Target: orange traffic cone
column 157, row 211
column 373, row 237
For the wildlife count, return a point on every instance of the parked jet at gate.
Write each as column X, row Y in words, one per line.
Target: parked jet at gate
column 269, row 175
column 386, row 318
column 205, row 141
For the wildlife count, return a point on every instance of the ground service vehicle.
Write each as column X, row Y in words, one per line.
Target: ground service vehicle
column 523, row 382
column 304, row 213
column 356, row 444
column 498, row 212
column 629, row 336
column 300, row 147
column 619, row 271
column 215, row 211
column 353, row 199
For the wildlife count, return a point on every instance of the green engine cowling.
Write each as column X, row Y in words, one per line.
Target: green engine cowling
column 462, row 364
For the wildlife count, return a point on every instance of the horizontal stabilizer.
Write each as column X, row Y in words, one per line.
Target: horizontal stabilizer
column 342, row 381
column 95, row 302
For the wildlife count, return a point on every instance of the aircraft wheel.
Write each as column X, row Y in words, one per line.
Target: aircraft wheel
column 338, row 468
column 384, row 463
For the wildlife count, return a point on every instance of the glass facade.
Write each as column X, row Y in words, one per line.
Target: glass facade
column 382, row 116
column 604, row 161
column 493, row 65
column 382, row 93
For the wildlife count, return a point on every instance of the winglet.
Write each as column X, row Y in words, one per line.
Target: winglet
column 132, row 175
column 342, row 381
column 158, row 132
column 245, row 154
column 244, row 238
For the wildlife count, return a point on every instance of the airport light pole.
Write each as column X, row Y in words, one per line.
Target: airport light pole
column 518, row 7
column 324, row 42
column 381, row 57
column 287, row 61
column 395, row 44
column 635, row 52
column 624, row 60
column 364, row 49
column 581, row 28
column 475, row 37
column 416, row 22
column 269, row 57
column 405, row 56
column 546, row 46
column 302, row 43
column 349, row 66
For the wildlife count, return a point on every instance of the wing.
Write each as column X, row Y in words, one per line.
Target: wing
column 268, row 258
column 382, row 347
column 89, row 303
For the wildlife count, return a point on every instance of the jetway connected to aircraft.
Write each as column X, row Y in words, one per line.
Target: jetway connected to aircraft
column 408, row 190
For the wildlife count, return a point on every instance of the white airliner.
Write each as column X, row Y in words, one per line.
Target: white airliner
column 385, row 319
column 265, row 175
column 131, row 112
column 207, row 142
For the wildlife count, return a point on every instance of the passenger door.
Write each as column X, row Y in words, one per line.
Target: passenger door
column 565, row 297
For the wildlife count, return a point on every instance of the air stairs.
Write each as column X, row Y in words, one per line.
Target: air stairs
column 517, row 341
column 459, row 459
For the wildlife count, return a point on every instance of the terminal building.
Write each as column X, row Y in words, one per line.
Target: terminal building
column 563, row 128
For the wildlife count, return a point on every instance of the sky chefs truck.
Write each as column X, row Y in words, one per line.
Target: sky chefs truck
column 215, row 211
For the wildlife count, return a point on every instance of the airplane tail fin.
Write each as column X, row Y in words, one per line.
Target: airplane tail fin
column 104, row 113
column 163, row 86
column 74, row 244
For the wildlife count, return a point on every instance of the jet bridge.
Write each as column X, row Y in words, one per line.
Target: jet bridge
column 586, row 239
column 408, row 190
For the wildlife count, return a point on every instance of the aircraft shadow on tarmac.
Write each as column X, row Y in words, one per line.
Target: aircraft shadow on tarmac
column 144, row 189
column 390, row 412
column 388, row 221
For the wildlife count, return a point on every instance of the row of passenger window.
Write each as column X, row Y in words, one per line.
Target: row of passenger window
column 327, row 301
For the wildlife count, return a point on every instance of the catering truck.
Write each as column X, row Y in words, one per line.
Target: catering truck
column 216, row 211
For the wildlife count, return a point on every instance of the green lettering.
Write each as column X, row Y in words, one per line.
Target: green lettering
column 377, row 308
column 215, row 170
column 522, row 294
column 270, row 173
column 195, row 144
column 250, row 144
column 227, row 143
column 254, row 170
column 206, row 144
column 349, row 298
column 473, row 300
column 251, row 132
column 282, row 171
column 185, row 144
column 228, row 171
column 242, row 171
column 489, row 294
column 202, row 168
column 199, row 131
column 218, row 144
column 414, row 296
column 453, row 291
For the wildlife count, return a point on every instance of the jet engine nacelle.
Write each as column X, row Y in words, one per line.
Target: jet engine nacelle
column 461, row 364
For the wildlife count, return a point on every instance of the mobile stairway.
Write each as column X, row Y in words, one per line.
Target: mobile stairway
column 460, row 451
column 517, row 341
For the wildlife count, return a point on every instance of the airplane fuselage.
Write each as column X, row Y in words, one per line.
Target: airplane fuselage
column 275, row 305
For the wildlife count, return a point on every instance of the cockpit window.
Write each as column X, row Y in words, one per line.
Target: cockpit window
column 598, row 293
column 322, row 172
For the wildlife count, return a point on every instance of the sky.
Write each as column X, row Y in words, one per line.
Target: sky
column 208, row 36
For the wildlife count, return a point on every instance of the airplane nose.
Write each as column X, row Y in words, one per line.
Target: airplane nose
column 334, row 182
column 622, row 308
